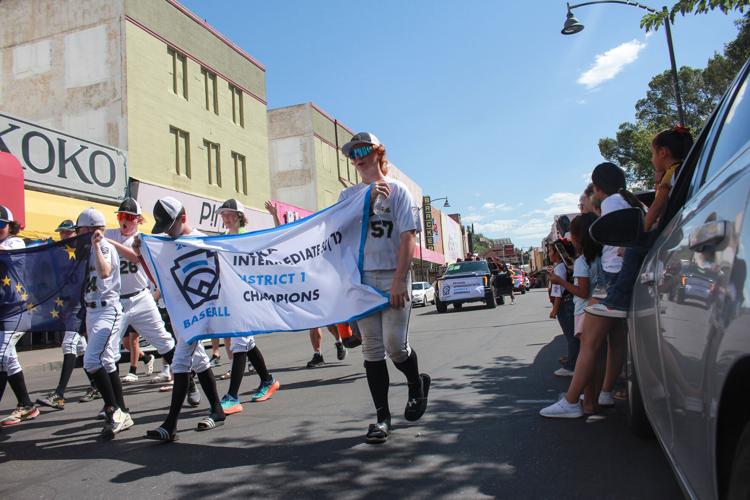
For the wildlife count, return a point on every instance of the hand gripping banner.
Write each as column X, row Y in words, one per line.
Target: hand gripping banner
column 301, row 275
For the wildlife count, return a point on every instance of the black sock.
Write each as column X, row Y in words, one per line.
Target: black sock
column 238, row 371
column 3, row 383
column 179, row 391
column 410, row 368
column 68, row 365
column 91, row 379
column 208, row 383
column 133, row 369
column 79, row 361
column 18, row 384
column 147, row 358
column 191, row 383
column 377, row 379
column 104, row 386
column 256, row 359
column 167, row 357
column 114, row 380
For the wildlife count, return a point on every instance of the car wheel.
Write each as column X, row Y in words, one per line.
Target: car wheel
column 458, row 306
column 441, row 308
column 523, row 291
column 636, row 413
column 739, row 479
column 500, row 300
column 489, row 299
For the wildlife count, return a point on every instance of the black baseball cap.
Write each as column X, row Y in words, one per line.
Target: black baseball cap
column 166, row 211
column 5, row 214
column 231, row 205
column 129, row 206
column 66, row 225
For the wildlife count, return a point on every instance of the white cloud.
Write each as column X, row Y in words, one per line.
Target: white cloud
column 564, row 199
column 581, row 101
column 495, row 226
column 607, row 65
column 503, row 207
column 470, row 219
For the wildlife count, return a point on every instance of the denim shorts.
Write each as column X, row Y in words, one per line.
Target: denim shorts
column 606, row 279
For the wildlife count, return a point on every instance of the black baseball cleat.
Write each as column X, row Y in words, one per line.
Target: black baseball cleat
column 415, row 407
column 378, row 433
column 340, row 351
column 317, row 360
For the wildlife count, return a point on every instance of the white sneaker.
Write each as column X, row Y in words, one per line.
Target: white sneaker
column 130, row 378
column 150, row 366
column 122, row 421
column 606, row 399
column 606, row 312
column 562, row 409
column 161, row 378
column 563, row 372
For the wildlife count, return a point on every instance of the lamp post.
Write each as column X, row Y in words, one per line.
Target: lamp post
column 573, row 26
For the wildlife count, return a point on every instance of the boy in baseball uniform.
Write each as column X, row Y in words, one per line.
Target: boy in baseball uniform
column 103, row 322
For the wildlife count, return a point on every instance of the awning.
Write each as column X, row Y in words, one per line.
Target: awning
column 11, row 179
column 428, row 255
column 44, row 212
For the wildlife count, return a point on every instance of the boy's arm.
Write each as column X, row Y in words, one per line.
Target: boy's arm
column 399, row 293
column 103, row 267
column 124, row 251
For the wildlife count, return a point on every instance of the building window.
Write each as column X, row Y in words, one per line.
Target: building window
column 240, row 173
column 214, row 163
column 179, row 73
column 238, row 111
column 180, row 151
column 212, row 97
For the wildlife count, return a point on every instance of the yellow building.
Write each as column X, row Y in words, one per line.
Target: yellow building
column 184, row 104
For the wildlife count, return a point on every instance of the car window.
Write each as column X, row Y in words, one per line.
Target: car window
column 733, row 135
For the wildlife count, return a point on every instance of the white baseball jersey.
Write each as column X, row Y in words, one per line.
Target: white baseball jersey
column 98, row 289
column 132, row 276
column 384, row 231
column 12, row 243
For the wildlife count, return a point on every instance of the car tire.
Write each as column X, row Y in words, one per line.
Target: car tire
column 441, row 308
column 739, row 479
column 636, row 412
column 500, row 300
column 489, row 299
column 458, row 306
column 523, row 291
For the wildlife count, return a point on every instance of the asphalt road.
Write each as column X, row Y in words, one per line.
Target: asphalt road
column 481, row 435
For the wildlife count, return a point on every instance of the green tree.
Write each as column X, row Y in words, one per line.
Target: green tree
column 653, row 21
column 701, row 90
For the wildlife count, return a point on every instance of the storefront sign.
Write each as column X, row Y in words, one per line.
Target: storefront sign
column 428, row 223
column 58, row 162
column 202, row 213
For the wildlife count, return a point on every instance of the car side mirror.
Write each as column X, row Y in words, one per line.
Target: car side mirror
column 621, row 228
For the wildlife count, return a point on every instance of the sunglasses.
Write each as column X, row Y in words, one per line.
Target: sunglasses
column 121, row 216
column 360, row 152
column 3, row 223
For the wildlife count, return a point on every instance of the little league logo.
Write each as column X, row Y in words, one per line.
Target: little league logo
column 197, row 276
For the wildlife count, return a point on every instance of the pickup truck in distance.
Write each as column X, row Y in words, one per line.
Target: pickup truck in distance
column 463, row 282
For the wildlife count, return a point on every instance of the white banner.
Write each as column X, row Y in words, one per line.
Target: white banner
column 461, row 288
column 297, row 276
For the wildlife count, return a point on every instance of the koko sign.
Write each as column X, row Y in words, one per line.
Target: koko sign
column 58, row 162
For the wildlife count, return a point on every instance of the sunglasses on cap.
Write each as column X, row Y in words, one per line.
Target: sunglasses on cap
column 121, row 216
column 360, row 152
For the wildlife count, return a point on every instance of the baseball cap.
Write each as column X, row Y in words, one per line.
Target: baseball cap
column 231, row 205
column 5, row 214
column 359, row 139
column 66, row 225
column 166, row 211
column 91, row 217
column 129, row 206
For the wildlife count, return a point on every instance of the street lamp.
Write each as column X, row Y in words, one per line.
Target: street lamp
column 419, row 209
column 573, row 26
column 445, row 205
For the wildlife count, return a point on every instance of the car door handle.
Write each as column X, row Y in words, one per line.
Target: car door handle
column 708, row 235
column 647, row 278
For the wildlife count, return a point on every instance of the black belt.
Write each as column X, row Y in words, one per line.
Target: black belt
column 131, row 295
column 94, row 305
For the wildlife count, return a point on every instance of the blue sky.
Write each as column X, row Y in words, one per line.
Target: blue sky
column 483, row 102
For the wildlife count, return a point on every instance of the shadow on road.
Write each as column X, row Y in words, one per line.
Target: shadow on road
column 480, row 437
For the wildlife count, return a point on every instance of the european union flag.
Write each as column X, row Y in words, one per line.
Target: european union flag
column 41, row 287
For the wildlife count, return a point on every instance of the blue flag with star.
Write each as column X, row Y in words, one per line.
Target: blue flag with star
column 41, row 287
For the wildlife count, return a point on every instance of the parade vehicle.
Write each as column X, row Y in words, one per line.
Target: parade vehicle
column 688, row 362
column 519, row 283
column 422, row 293
column 464, row 282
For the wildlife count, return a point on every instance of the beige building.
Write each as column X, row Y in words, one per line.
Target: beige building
column 147, row 77
column 307, row 166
